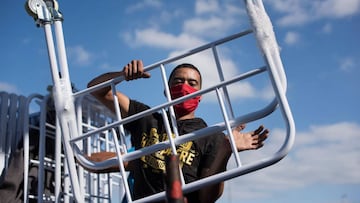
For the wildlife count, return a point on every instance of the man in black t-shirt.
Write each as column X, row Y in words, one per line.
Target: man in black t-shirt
column 198, row 158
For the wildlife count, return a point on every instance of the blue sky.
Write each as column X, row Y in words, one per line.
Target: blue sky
column 320, row 52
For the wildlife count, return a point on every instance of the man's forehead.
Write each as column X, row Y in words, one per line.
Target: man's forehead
column 186, row 72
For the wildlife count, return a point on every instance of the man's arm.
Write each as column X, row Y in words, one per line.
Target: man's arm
column 213, row 192
column 244, row 141
column 131, row 71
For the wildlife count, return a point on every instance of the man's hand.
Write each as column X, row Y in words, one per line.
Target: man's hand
column 249, row 140
column 135, row 70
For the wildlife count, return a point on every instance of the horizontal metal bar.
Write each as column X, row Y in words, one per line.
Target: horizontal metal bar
column 166, row 61
column 173, row 102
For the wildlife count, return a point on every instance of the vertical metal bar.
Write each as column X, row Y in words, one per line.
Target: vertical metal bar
column 122, row 142
column 67, row 191
column 4, row 112
column 168, row 131
column 121, row 166
column 228, row 127
column 42, row 136
column 222, row 78
column 63, row 103
column 284, row 107
column 168, row 97
column 66, row 129
column 61, row 51
column 118, row 115
column 26, row 152
column 109, row 186
column 57, row 162
column 171, row 111
column 88, row 150
column 79, row 113
column 52, row 54
column 109, row 176
column 26, row 146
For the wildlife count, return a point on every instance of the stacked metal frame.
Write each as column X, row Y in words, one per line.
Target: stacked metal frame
column 71, row 129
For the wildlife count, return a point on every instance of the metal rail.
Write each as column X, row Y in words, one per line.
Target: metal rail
column 71, row 132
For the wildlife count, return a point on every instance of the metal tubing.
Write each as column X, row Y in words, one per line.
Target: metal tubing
column 267, row 44
column 222, row 78
column 58, row 162
column 26, row 144
column 228, row 128
column 270, row 107
column 167, row 61
column 121, row 166
column 168, row 131
column 42, row 137
column 168, row 97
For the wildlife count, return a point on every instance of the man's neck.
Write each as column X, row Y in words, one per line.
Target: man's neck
column 187, row 116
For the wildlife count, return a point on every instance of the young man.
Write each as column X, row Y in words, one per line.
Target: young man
column 199, row 158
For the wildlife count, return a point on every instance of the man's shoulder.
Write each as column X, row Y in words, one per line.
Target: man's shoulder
column 136, row 106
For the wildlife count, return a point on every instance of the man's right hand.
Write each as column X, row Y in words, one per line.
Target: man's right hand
column 135, row 70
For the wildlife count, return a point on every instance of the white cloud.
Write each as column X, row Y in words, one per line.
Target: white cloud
column 294, row 13
column 6, row 87
column 214, row 19
column 327, row 28
column 337, row 9
column 299, row 12
column 107, row 66
column 292, row 38
column 347, row 64
column 206, row 6
column 324, row 154
column 79, row 55
column 146, row 4
column 155, row 38
column 209, row 26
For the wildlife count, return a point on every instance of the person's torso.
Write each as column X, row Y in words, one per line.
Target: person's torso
column 149, row 170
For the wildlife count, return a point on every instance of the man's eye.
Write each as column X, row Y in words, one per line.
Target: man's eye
column 193, row 84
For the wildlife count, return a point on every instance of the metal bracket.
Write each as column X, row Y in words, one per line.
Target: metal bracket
column 43, row 11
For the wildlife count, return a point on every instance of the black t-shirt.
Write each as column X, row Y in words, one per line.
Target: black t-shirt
column 149, row 170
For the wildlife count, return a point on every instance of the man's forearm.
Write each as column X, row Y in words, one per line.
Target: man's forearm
column 103, row 78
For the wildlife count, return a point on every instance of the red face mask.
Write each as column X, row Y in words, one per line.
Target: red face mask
column 187, row 106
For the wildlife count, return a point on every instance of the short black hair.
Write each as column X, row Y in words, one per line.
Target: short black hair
column 185, row 65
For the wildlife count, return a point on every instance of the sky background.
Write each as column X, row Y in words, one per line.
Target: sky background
column 320, row 50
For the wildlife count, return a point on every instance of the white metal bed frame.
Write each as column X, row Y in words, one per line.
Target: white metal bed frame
column 70, row 126
column 96, row 187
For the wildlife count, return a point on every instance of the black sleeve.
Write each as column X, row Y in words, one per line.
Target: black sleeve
column 211, row 148
column 134, row 108
column 139, row 126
